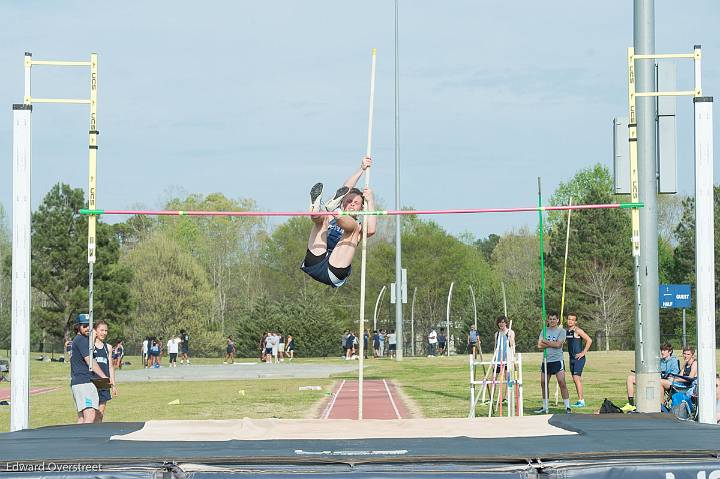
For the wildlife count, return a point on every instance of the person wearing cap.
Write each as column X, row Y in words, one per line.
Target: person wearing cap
column 84, row 391
column 333, row 240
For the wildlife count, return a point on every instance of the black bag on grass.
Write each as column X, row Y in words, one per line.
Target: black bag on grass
column 609, row 408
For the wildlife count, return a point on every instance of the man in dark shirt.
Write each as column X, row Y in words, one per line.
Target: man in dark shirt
column 83, row 390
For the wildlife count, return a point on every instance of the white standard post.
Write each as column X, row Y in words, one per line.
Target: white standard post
column 705, row 258
column 19, row 357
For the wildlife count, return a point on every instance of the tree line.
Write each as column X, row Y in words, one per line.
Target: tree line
column 240, row 277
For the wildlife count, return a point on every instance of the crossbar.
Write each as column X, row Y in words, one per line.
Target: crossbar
column 98, row 212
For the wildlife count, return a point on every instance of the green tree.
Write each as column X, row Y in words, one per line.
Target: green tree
column 227, row 247
column 170, row 291
column 599, row 247
column 5, row 281
column 60, row 270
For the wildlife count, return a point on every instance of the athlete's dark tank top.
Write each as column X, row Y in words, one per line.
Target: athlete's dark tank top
column 574, row 344
column 101, row 357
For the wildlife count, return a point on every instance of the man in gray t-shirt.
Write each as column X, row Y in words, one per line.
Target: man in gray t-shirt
column 551, row 341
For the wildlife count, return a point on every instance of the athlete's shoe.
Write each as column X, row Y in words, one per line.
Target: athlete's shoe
column 540, row 410
column 333, row 204
column 579, row 403
column 315, row 197
column 568, row 410
column 628, row 408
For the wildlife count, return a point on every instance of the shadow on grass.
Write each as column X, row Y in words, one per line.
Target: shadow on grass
column 422, row 392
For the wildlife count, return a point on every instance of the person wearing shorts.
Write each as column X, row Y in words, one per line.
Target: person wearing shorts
column 102, row 354
column 83, row 390
column 184, row 347
column 392, row 343
column 172, row 348
column 578, row 344
column 551, row 342
column 333, row 239
column 290, row 347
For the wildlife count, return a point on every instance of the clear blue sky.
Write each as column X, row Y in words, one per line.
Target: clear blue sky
column 262, row 99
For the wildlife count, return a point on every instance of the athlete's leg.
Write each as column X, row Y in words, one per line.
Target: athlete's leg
column 560, row 376
column 578, row 386
column 343, row 253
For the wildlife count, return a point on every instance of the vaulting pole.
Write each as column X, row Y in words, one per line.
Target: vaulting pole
column 562, row 296
column 363, row 260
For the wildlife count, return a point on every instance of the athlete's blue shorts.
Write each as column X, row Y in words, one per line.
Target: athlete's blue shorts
column 104, row 395
column 322, row 271
column 577, row 365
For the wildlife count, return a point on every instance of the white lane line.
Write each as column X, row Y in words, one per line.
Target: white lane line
column 392, row 401
column 328, row 410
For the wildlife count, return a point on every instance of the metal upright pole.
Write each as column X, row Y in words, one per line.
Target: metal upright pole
column 705, row 258
column 647, row 328
column 92, row 199
column 398, row 225
column 21, row 247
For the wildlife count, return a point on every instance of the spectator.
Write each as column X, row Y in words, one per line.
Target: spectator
column 173, row 346
column 578, row 344
column 366, row 336
column 184, row 347
column 551, row 342
column 290, row 347
column 669, row 365
column 281, row 347
column 381, row 337
column 118, row 354
column 229, row 351
column 343, row 343
column 349, row 346
column 432, row 342
column 689, row 372
column 442, row 342
column 376, row 344
column 154, row 354
column 392, row 343
column 473, row 340
column 268, row 347
column 84, row 391
column 146, row 351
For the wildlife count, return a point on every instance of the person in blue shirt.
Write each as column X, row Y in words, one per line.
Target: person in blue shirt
column 669, row 365
column 333, row 240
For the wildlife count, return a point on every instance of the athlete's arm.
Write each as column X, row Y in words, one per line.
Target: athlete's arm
column 95, row 367
column 353, row 179
column 112, row 370
column 369, row 220
column 587, row 340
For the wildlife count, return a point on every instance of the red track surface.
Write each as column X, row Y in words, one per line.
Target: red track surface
column 5, row 393
column 380, row 401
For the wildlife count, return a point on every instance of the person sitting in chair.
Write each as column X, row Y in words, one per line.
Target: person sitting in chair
column 686, row 376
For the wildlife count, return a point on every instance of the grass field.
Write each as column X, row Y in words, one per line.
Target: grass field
column 437, row 386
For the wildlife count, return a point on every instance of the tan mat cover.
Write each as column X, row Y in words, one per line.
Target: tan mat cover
column 272, row 429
